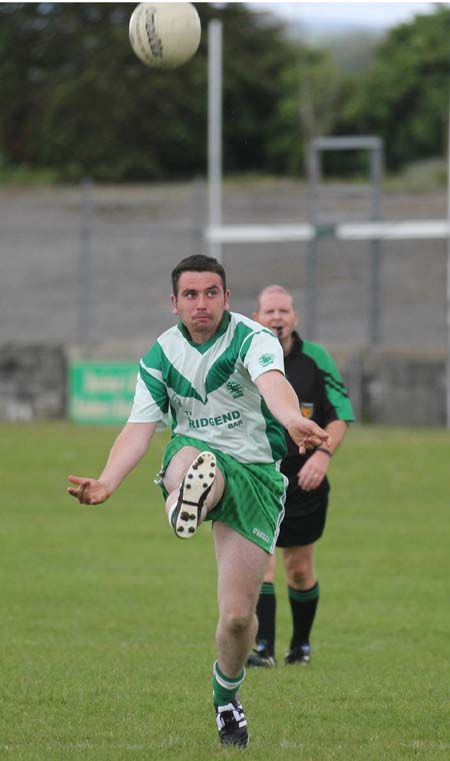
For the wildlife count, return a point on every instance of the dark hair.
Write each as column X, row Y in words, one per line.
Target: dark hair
column 197, row 263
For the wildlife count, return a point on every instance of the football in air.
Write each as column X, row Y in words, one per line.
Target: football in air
column 165, row 35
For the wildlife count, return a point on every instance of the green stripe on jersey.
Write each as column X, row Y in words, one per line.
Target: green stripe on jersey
column 157, row 359
column 224, row 366
column 334, row 385
column 156, row 388
column 274, row 432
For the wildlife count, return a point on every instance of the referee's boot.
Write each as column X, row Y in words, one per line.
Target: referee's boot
column 300, row 654
column 190, row 509
column 261, row 657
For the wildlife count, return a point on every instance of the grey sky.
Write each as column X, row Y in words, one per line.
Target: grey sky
column 374, row 15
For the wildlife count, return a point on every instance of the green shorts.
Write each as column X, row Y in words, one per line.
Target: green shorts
column 253, row 500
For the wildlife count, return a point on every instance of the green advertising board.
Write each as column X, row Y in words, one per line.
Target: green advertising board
column 101, row 392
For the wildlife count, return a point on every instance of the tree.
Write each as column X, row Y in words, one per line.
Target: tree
column 76, row 99
column 404, row 95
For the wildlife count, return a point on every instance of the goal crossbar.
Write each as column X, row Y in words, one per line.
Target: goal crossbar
column 430, row 229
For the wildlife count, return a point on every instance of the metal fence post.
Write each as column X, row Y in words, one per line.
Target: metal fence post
column 375, row 278
column 198, row 215
column 312, row 247
column 85, row 269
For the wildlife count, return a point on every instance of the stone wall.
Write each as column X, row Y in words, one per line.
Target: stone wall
column 404, row 389
column 33, row 382
column 386, row 387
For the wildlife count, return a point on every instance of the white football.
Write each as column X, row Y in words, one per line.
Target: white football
column 165, row 35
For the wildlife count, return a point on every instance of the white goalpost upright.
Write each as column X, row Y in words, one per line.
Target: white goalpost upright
column 218, row 234
column 215, row 134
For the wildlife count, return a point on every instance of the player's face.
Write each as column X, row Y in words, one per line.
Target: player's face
column 276, row 312
column 200, row 303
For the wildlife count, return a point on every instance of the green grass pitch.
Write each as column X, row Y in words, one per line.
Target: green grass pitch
column 107, row 621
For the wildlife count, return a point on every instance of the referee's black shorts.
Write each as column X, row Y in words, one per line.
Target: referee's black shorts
column 305, row 513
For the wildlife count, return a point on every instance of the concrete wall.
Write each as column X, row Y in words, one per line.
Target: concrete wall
column 388, row 387
column 396, row 387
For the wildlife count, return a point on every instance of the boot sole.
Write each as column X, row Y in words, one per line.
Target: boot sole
column 194, row 489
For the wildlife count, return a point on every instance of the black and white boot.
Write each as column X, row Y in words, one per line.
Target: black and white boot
column 189, row 510
column 232, row 724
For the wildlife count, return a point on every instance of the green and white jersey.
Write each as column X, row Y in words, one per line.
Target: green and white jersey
column 209, row 389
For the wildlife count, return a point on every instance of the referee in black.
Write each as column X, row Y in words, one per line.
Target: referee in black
column 324, row 398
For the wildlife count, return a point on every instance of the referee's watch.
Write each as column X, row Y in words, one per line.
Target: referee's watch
column 325, row 451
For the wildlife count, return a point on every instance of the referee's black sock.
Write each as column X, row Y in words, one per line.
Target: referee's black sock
column 266, row 611
column 303, row 607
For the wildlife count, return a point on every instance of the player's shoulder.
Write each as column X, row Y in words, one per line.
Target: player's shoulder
column 171, row 334
column 247, row 325
column 164, row 341
column 253, row 339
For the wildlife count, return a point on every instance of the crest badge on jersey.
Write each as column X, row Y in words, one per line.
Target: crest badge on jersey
column 266, row 359
column 235, row 389
column 307, row 409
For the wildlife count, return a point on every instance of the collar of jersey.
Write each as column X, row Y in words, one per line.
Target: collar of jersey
column 297, row 344
column 201, row 348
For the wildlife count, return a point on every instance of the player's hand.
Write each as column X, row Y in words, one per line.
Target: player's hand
column 88, row 491
column 308, row 435
column 311, row 475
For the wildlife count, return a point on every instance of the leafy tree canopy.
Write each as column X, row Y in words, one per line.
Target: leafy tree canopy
column 75, row 97
column 404, row 95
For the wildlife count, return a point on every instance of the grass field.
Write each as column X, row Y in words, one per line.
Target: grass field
column 107, row 621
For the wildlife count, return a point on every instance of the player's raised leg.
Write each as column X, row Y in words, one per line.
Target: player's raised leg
column 195, row 486
column 241, row 566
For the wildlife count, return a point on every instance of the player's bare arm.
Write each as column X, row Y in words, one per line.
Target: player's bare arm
column 282, row 401
column 127, row 450
column 311, row 475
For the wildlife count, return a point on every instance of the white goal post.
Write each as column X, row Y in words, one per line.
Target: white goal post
column 277, row 233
